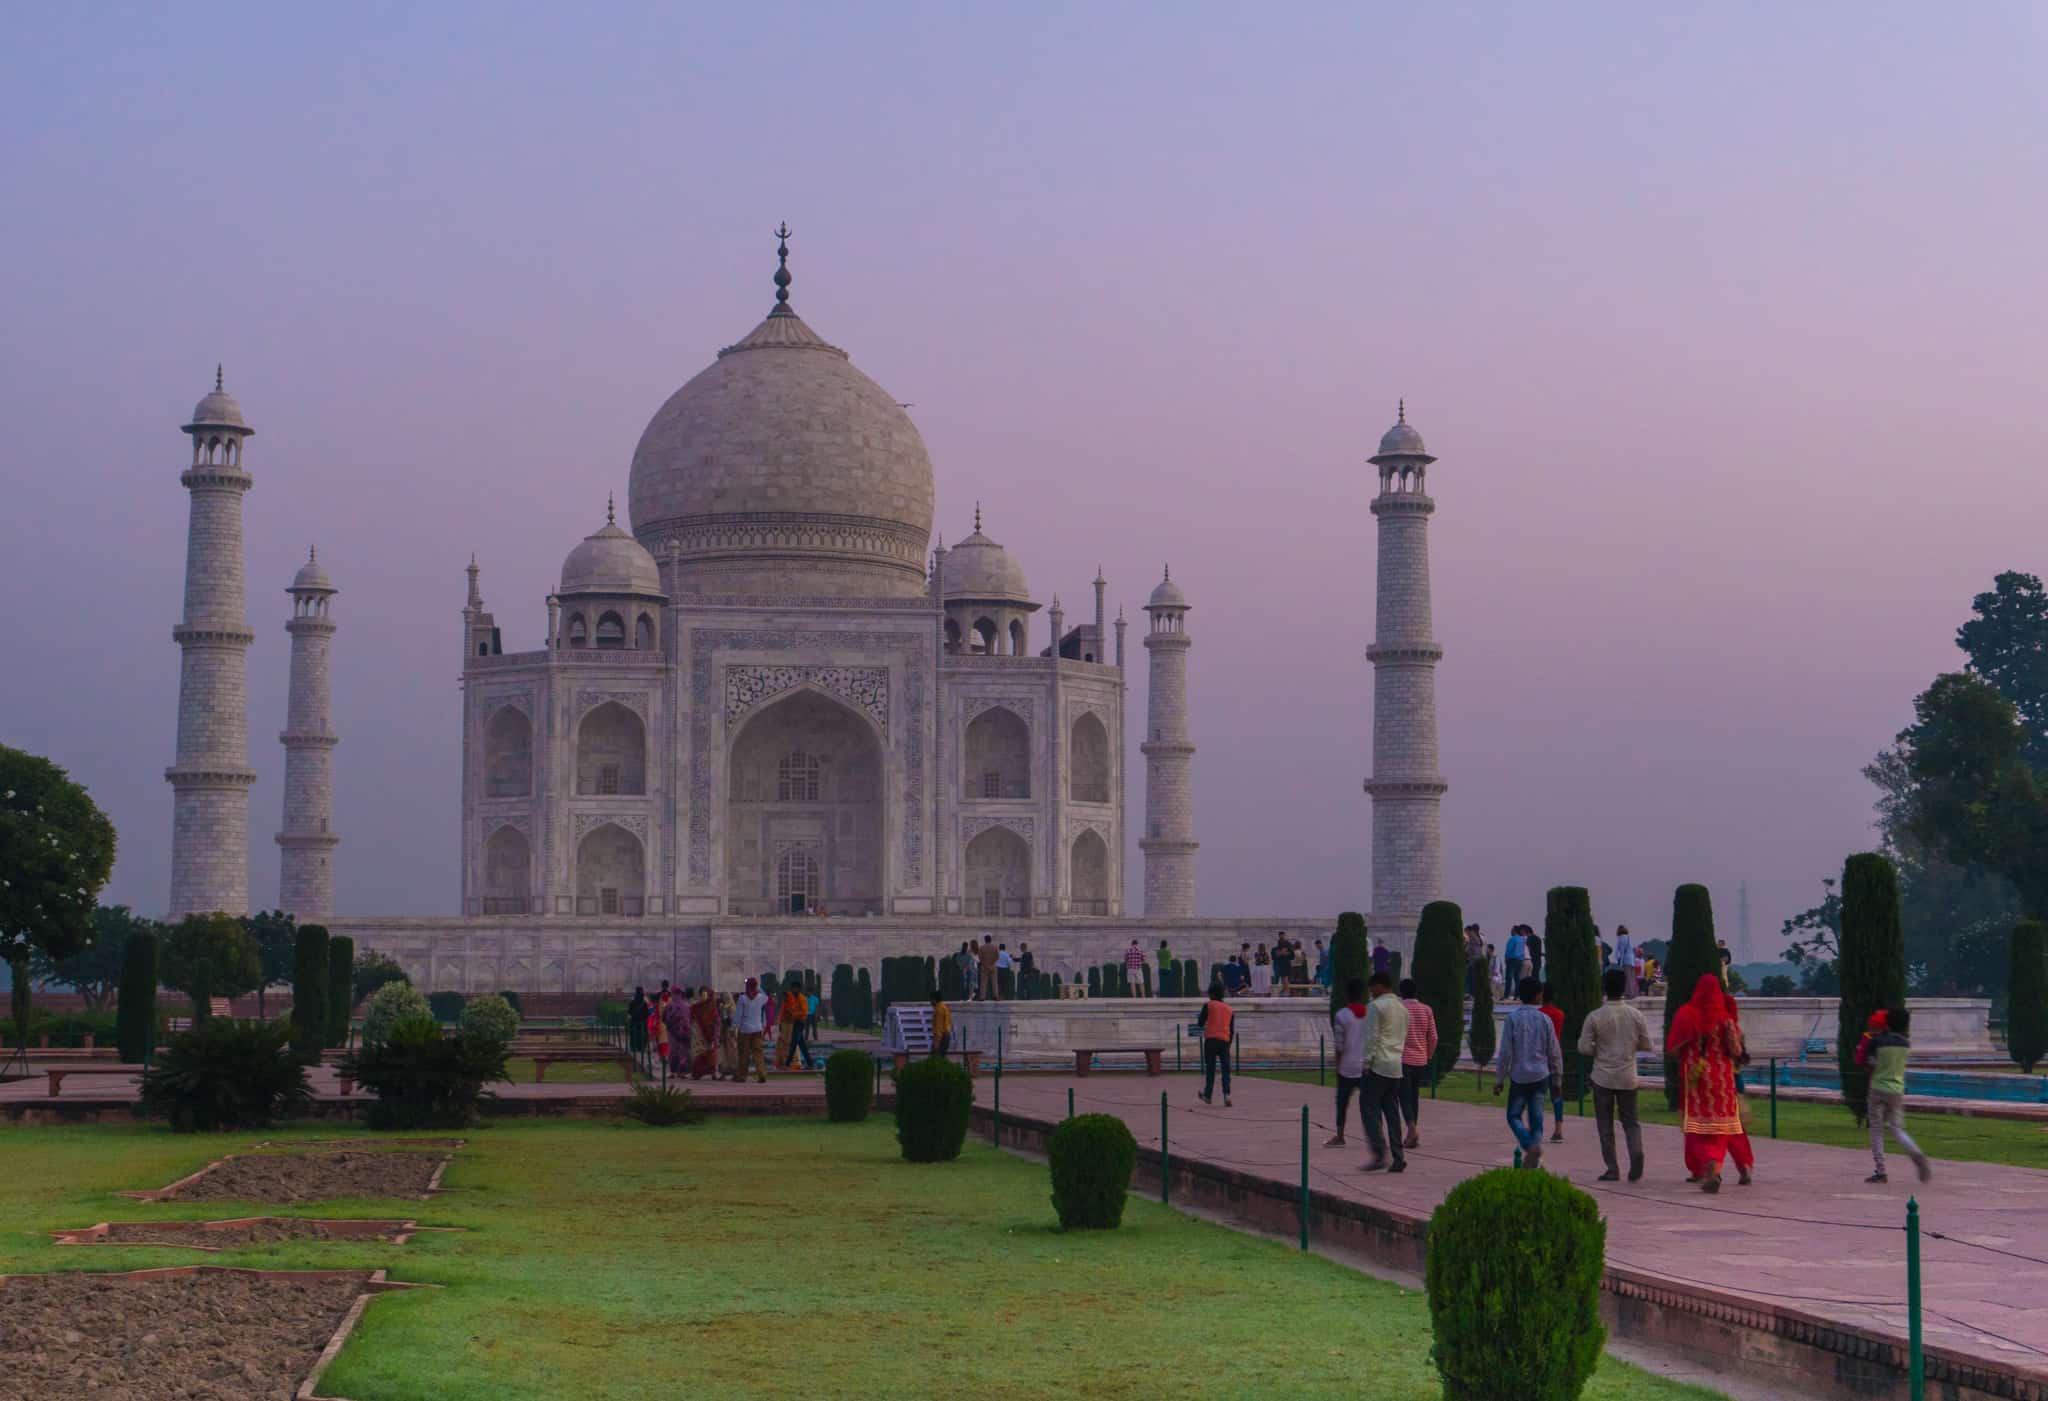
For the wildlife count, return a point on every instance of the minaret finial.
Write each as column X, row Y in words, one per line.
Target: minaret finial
column 1169, row 573
column 1404, row 412
column 782, row 266
column 977, row 517
column 216, row 378
column 312, row 554
column 609, row 517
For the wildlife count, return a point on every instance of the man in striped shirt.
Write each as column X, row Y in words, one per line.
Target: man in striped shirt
column 1416, row 1054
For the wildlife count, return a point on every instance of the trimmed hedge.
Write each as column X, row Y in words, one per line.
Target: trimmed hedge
column 1440, row 976
column 225, row 1074
column 341, row 980
column 1692, row 953
column 388, row 1006
column 512, row 1000
column 2026, row 1014
column 1481, row 1036
column 309, row 991
column 493, row 1017
column 1191, row 979
column 1872, row 964
column 422, row 1078
column 446, row 1006
column 842, row 996
column 932, row 1101
column 863, row 1000
column 1513, row 1274
column 1091, row 1157
column 1094, row 981
column 135, row 1011
column 1571, row 954
column 849, row 1086
column 1350, row 956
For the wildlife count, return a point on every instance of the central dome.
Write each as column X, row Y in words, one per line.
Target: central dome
column 782, row 469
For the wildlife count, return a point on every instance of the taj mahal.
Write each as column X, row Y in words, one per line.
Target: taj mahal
column 772, row 720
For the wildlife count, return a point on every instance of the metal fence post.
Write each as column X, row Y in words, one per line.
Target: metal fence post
column 1070, row 1101
column 995, row 1125
column 1303, row 1208
column 1916, row 1359
column 1165, row 1162
column 1774, row 1096
column 1319, row 1060
column 1176, row 1046
column 1237, row 1043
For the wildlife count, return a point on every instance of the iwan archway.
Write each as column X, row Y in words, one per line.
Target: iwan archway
column 805, row 821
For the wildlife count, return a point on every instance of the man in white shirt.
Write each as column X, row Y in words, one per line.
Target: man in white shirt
column 1379, row 1101
column 750, row 1022
column 1349, row 1027
column 1612, row 1035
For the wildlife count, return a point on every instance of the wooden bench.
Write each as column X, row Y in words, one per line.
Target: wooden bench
column 1155, row 1057
column 57, row 1076
column 970, row 1059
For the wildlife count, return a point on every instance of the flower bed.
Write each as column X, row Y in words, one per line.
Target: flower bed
column 308, row 1177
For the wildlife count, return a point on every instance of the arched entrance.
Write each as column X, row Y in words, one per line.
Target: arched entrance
column 1088, row 875
column 998, row 756
column 611, row 873
column 998, row 870
column 805, row 821
column 508, row 872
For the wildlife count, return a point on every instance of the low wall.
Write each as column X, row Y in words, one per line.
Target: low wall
column 1289, row 1028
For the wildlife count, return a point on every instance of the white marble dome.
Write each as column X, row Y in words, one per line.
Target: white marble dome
column 611, row 561
column 311, row 578
column 978, row 568
column 217, row 409
column 1167, row 595
column 782, row 469
column 1401, row 440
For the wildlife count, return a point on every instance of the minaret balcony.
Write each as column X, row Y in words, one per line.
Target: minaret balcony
column 1406, row 787
column 1403, row 504
column 206, row 776
column 1414, row 653
column 219, row 635
column 307, row 739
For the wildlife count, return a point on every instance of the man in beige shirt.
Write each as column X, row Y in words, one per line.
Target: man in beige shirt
column 1612, row 1035
column 1386, row 1034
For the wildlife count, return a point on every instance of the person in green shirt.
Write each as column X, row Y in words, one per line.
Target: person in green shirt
column 1885, row 1053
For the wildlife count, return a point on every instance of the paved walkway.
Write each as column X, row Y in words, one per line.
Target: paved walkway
column 1808, row 1234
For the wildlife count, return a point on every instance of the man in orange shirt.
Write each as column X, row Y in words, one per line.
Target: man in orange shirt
column 1215, row 1020
column 795, row 1007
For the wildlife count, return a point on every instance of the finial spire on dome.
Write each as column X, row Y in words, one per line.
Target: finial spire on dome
column 1169, row 574
column 1403, row 415
column 977, row 517
column 313, row 554
column 217, row 376
column 609, row 517
column 782, row 278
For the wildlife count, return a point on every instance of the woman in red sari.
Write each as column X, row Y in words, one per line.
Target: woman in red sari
column 1706, row 1043
column 704, row 1034
column 1739, row 1148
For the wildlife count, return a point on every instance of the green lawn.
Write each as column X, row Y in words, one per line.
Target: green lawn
column 1957, row 1137
column 611, row 1260
column 574, row 1072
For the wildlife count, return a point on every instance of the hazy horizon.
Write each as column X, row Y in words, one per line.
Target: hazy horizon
column 1725, row 328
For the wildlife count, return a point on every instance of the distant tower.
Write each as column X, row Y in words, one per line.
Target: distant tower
column 210, row 780
column 1742, row 920
column 1407, row 791
column 1169, row 841
column 305, row 872
column 1120, row 626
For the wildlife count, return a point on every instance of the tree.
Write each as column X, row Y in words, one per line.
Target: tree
column 341, row 984
column 1974, row 800
column 309, row 990
column 1573, row 955
column 2007, row 643
column 135, row 1016
column 94, row 972
column 1350, row 957
column 209, row 956
column 372, row 971
column 1440, row 976
column 1480, row 1036
column 2026, row 1014
column 1693, row 955
column 56, row 851
column 1873, row 964
column 1815, row 934
column 275, row 934
column 1777, row 985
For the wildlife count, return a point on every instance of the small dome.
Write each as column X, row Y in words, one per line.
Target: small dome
column 1168, row 594
column 218, row 409
column 611, row 561
column 1402, row 440
column 311, row 578
column 979, row 568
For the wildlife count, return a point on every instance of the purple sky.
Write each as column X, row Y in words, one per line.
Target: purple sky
column 1726, row 327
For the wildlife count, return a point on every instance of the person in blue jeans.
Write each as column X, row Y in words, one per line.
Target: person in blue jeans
column 1215, row 1019
column 1529, row 1065
column 1514, row 958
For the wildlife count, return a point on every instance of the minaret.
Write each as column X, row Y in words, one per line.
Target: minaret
column 1407, row 791
column 1101, row 621
column 1169, row 841
column 305, row 871
column 1059, row 624
column 211, row 777
column 1121, row 624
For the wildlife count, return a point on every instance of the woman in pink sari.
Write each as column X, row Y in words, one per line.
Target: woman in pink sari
column 704, row 1034
column 1706, row 1043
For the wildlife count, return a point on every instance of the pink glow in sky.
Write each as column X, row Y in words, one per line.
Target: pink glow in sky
column 1725, row 324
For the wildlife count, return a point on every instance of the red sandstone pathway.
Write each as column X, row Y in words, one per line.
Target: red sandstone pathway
column 1808, row 1234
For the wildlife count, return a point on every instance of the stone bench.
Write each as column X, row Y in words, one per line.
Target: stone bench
column 58, row 1076
column 1155, row 1057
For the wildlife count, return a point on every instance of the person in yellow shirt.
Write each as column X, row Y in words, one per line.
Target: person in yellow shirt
column 942, row 1027
column 789, row 1017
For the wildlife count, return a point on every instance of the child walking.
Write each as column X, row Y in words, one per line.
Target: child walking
column 1885, row 1051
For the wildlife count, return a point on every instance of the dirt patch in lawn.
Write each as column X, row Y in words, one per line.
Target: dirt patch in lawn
column 365, row 1145
column 191, row 1336
column 307, row 1177
column 225, row 1235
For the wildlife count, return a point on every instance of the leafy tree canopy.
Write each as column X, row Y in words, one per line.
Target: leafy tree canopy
column 2007, row 644
column 211, row 955
column 95, row 970
column 1975, row 801
column 276, row 936
column 56, row 851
